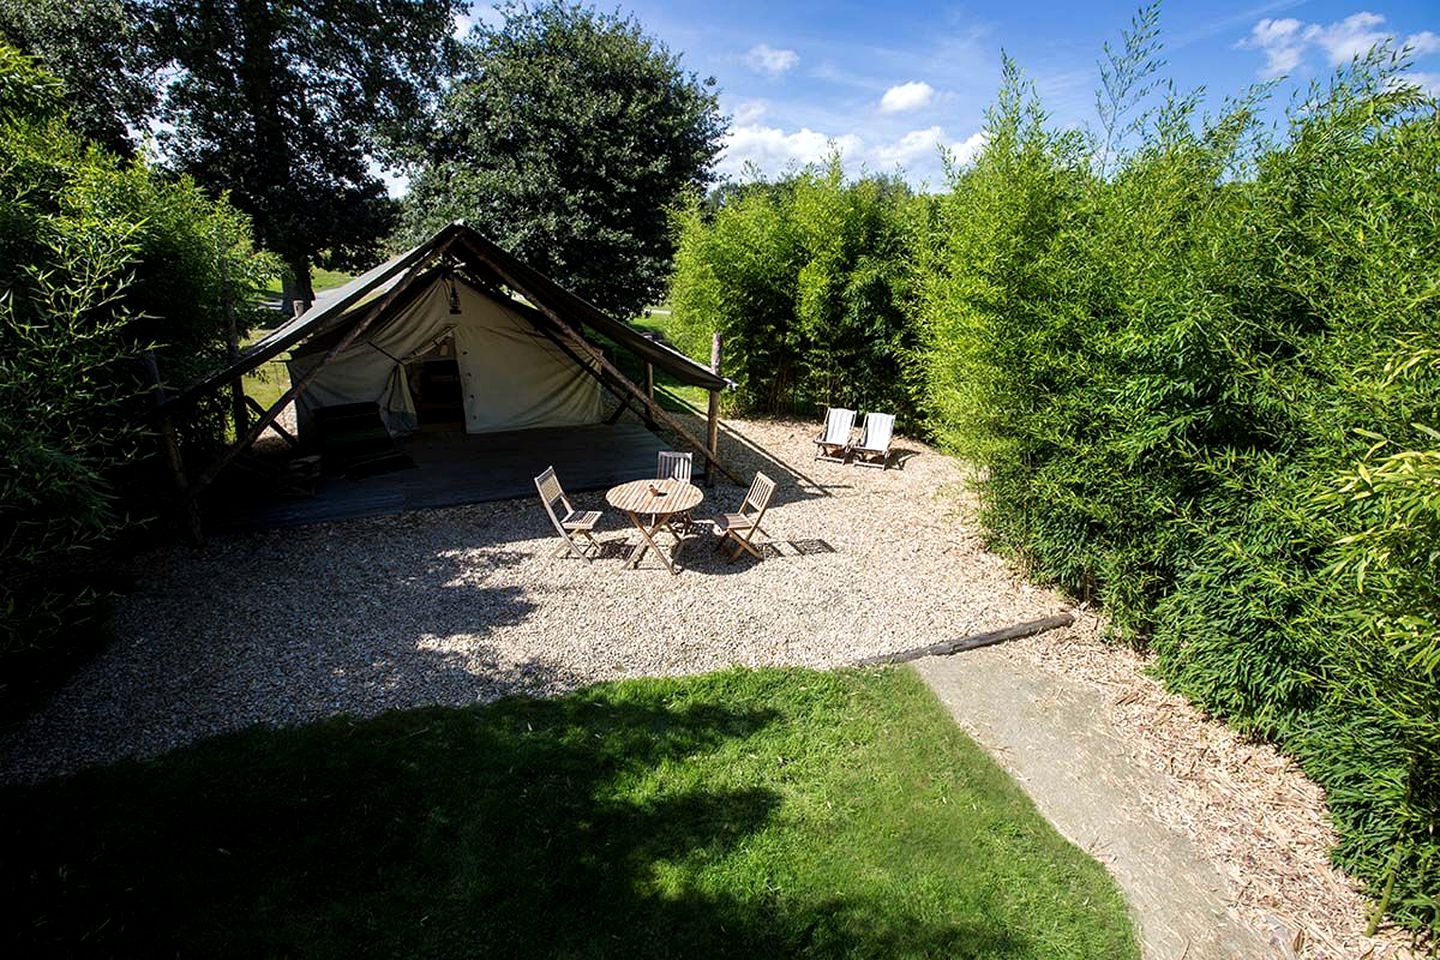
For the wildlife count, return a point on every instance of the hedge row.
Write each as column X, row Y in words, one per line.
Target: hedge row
column 100, row 260
column 1197, row 367
column 1201, row 389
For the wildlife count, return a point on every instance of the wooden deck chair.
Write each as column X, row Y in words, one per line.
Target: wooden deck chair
column 568, row 522
column 675, row 465
column 833, row 441
column 741, row 526
column 873, row 449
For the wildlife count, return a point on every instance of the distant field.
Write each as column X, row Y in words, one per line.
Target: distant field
column 657, row 320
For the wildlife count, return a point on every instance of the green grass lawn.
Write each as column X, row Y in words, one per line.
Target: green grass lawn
column 741, row 814
column 634, row 368
column 320, row 281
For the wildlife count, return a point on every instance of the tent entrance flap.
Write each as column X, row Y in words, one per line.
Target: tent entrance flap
column 435, row 386
column 487, row 367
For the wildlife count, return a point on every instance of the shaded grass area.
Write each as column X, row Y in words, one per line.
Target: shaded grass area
column 741, row 814
column 267, row 382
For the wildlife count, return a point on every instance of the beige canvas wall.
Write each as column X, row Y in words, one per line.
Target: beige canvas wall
column 512, row 375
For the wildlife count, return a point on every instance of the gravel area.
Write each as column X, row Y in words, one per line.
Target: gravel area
column 468, row 604
column 465, row 605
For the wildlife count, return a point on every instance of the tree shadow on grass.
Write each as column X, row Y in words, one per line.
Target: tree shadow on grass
column 562, row 828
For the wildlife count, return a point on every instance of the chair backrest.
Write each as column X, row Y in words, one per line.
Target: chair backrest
column 762, row 488
column 548, row 486
column 673, row 465
column 838, row 424
column 878, row 429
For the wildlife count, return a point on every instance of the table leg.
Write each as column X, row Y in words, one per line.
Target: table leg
column 648, row 537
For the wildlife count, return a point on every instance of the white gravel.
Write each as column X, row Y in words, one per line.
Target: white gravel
column 469, row 604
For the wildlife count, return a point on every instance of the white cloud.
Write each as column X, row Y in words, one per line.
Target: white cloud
column 907, row 96
column 764, row 58
column 916, row 143
column 1429, row 83
column 919, row 150
column 1285, row 42
column 1348, row 38
column 1426, row 41
column 1282, row 43
column 772, row 149
column 747, row 112
column 963, row 151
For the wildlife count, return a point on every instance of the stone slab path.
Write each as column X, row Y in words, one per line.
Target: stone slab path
column 1050, row 735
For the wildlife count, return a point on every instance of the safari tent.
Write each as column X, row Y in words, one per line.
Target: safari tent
column 451, row 352
column 456, row 334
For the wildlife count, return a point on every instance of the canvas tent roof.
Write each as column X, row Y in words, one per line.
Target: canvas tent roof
column 487, row 263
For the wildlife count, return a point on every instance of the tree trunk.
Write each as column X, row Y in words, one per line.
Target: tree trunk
column 296, row 284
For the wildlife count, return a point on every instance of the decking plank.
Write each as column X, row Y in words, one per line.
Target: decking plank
column 453, row 469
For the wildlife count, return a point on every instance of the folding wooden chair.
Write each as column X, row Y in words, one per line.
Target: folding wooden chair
column 741, row 526
column 873, row 449
column 835, row 438
column 675, row 465
column 568, row 522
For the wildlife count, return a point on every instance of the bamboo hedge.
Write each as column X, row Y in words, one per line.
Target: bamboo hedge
column 1195, row 361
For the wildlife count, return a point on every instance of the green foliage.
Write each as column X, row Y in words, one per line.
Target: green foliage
column 102, row 50
column 567, row 136
column 742, row 814
column 809, row 282
column 282, row 104
column 99, row 261
column 1186, row 360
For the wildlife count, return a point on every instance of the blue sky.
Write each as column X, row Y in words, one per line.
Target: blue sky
column 887, row 82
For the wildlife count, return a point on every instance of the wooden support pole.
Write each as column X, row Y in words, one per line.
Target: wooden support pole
column 189, row 510
column 974, row 642
column 232, row 337
column 712, row 415
column 284, row 434
column 650, row 394
column 712, row 435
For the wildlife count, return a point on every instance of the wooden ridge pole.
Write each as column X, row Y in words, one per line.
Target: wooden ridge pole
column 650, row 394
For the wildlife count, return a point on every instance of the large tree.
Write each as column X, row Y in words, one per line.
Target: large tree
column 567, row 136
column 103, row 50
column 286, row 104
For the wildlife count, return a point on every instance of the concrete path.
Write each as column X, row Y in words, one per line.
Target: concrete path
column 1050, row 735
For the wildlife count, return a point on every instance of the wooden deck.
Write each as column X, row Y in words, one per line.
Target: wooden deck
column 456, row 468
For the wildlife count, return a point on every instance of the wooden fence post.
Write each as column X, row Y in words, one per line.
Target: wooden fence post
column 238, row 410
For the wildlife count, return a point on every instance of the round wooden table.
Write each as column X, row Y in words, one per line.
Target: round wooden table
column 659, row 500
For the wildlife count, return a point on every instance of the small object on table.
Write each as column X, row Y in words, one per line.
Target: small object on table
column 657, row 500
